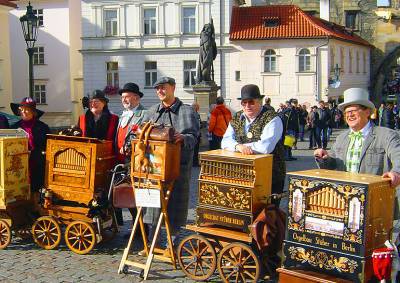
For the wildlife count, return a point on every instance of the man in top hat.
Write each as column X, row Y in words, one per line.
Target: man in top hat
column 255, row 129
column 364, row 148
column 171, row 111
column 131, row 116
column 98, row 122
column 37, row 131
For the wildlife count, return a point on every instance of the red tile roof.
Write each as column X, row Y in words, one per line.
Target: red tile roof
column 7, row 3
column 292, row 22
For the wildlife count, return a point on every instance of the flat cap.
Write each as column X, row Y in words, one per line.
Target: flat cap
column 164, row 80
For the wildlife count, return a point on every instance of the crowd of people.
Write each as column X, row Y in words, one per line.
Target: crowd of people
column 256, row 129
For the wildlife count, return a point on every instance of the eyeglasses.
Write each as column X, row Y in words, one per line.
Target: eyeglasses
column 249, row 102
column 351, row 112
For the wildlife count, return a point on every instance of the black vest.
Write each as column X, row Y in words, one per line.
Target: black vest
column 279, row 166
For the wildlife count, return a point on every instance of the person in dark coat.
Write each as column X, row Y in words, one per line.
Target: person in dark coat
column 172, row 112
column 323, row 121
column 37, row 131
column 387, row 120
column 291, row 115
column 4, row 122
column 98, row 122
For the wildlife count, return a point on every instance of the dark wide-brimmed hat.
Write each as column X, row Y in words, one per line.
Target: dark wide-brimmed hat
column 26, row 101
column 356, row 96
column 250, row 92
column 131, row 87
column 164, row 80
column 99, row 94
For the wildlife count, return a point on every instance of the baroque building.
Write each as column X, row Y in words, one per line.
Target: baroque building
column 374, row 20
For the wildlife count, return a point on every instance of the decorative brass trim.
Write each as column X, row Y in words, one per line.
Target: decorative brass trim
column 323, row 260
column 234, row 198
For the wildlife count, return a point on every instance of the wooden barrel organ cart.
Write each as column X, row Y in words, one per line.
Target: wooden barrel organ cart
column 75, row 194
column 155, row 165
column 15, row 204
column 335, row 221
column 232, row 190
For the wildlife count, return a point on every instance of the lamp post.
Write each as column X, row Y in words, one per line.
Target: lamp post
column 29, row 23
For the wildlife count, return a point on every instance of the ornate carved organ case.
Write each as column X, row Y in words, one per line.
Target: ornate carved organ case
column 14, row 173
column 77, row 167
column 335, row 220
column 233, row 188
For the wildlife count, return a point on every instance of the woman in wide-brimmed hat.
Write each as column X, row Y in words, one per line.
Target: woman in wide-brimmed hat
column 37, row 131
column 98, row 121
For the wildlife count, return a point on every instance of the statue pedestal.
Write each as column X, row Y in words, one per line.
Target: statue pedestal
column 205, row 95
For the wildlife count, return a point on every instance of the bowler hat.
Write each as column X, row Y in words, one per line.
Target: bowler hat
column 164, row 80
column 26, row 101
column 131, row 87
column 99, row 94
column 250, row 92
column 357, row 96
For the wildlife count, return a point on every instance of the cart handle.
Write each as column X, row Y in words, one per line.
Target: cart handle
column 105, row 158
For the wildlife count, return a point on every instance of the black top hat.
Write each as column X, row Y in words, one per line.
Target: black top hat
column 164, row 80
column 131, row 87
column 99, row 94
column 250, row 92
column 26, row 101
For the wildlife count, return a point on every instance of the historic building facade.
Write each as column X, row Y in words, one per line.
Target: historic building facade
column 291, row 54
column 140, row 41
column 374, row 20
column 5, row 62
column 57, row 63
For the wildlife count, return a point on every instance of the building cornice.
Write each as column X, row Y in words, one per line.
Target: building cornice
column 146, row 50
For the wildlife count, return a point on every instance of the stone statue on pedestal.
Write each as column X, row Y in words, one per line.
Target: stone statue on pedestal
column 207, row 54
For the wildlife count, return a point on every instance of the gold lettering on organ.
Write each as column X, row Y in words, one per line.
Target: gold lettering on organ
column 349, row 247
column 224, row 219
column 322, row 242
column 302, row 238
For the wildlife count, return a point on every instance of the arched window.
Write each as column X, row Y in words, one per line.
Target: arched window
column 304, row 60
column 270, row 61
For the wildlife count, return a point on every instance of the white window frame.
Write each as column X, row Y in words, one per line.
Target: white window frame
column 190, row 19
column 150, row 74
column 191, row 72
column 112, row 73
column 152, row 21
column 39, row 13
column 38, row 55
column 270, row 61
column 40, row 92
column 114, row 22
column 306, row 57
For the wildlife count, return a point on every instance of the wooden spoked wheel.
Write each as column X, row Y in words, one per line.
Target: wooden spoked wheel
column 238, row 263
column 197, row 257
column 46, row 232
column 5, row 235
column 80, row 237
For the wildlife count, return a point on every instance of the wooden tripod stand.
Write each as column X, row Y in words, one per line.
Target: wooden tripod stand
column 165, row 190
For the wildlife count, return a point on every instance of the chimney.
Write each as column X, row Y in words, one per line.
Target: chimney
column 324, row 9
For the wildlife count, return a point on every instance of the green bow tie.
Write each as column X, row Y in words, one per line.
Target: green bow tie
column 355, row 134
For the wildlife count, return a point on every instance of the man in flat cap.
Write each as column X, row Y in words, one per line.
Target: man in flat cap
column 171, row 111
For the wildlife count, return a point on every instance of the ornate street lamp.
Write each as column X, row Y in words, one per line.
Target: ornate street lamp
column 29, row 23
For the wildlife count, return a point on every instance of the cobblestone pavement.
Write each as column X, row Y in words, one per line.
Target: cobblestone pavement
column 23, row 261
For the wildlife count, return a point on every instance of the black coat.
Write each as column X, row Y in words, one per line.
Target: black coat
column 3, row 122
column 37, row 160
